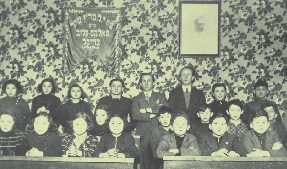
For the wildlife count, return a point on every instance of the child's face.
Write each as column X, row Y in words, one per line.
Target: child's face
column 6, row 122
column 80, row 126
column 116, row 88
column 205, row 115
column 271, row 113
column 218, row 126
column 164, row 119
column 261, row 92
column 41, row 125
column 180, row 126
column 219, row 93
column 116, row 125
column 47, row 87
column 101, row 116
column 234, row 112
column 260, row 124
column 186, row 77
column 76, row 92
column 11, row 90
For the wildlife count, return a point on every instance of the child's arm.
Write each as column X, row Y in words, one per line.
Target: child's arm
column 163, row 149
column 129, row 150
column 192, row 149
column 238, row 147
column 205, row 149
column 277, row 149
column 55, row 149
column 101, row 148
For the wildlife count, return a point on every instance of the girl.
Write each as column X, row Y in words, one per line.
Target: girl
column 101, row 115
column 11, row 140
column 42, row 141
column 73, row 106
column 12, row 102
column 80, row 143
column 117, row 144
column 47, row 101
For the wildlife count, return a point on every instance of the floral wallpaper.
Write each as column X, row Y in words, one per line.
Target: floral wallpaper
column 253, row 45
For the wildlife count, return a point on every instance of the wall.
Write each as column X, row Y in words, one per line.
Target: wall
column 253, row 45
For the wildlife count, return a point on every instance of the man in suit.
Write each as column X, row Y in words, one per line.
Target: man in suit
column 186, row 98
column 145, row 107
column 117, row 103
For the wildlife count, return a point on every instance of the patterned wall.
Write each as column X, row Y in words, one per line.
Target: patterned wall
column 253, row 45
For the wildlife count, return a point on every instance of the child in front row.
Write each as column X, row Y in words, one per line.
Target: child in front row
column 178, row 143
column 164, row 128
column 80, row 143
column 42, row 140
column 117, row 144
column 261, row 142
column 204, row 113
column 235, row 124
column 218, row 142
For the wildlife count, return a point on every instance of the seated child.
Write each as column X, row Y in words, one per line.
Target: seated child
column 11, row 140
column 235, row 125
column 261, row 142
column 101, row 116
column 178, row 143
column 42, row 141
column 164, row 117
column 218, row 105
column 218, row 142
column 80, row 143
column 117, row 144
column 204, row 113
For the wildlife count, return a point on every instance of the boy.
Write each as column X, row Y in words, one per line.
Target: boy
column 218, row 142
column 178, row 143
column 219, row 104
column 261, row 142
column 164, row 117
column 260, row 92
column 204, row 113
column 235, row 125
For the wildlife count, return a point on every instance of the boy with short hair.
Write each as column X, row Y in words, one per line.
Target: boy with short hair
column 218, row 105
column 261, row 142
column 204, row 113
column 235, row 124
column 218, row 142
column 178, row 143
column 164, row 128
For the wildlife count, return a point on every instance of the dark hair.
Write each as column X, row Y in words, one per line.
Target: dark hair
column 219, row 115
column 203, row 107
column 52, row 126
column 11, row 113
column 236, row 102
column 16, row 83
column 269, row 105
column 86, row 117
column 179, row 115
column 40, row 89
column 163, row 110
column 117, row 80
column 259, row 113
column 121, row 117
column 188, row 67
column 102, row 107
column 261, row 82
column 218, row 85
column 76, row 85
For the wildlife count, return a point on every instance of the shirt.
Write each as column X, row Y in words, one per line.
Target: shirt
column 238, row 130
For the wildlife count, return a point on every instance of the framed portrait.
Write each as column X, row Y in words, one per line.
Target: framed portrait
column 199, row 28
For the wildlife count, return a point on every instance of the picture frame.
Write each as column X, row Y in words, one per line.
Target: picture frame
column 199, row 28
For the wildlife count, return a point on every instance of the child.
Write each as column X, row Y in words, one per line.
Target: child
column 47, row 101
column 275, row 125
column 204, row 113
column 12, row 102
column 11, row 140
column 235, row 125
column 80, row 143
column 261, row 142
column 178, row 143
column 164, row 117
column 73, row 106
column 117, row 144
column 42, row 141
column 101, row 116
column 218, row 142
column 219, row 104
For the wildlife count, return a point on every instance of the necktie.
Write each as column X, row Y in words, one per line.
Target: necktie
column 186, row 91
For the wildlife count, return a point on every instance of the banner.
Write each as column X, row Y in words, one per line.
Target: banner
column 92, row 33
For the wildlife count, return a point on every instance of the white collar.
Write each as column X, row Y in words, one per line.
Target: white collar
column 148, row 93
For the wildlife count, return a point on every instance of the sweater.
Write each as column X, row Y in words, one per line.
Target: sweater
column 12, row 143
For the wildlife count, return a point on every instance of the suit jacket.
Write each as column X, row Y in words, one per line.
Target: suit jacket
column 144, row 123
column 231, row 142
column 189, row 146
column 176, row 102
column 156, row 137
column 250, row 140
